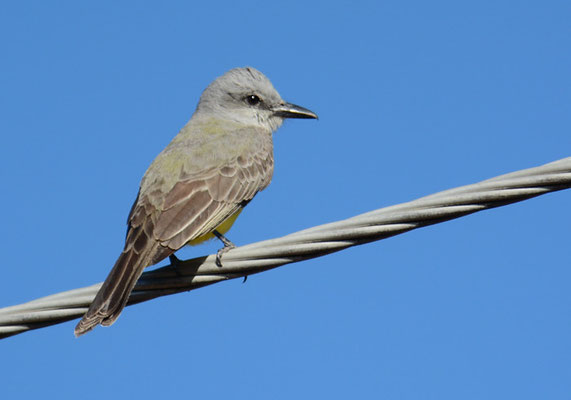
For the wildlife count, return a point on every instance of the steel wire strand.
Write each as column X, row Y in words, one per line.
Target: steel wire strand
column 309, row 243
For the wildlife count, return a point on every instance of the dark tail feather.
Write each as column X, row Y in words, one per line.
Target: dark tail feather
column 113, row 295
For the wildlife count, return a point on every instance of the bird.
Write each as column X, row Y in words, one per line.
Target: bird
column 197, row 186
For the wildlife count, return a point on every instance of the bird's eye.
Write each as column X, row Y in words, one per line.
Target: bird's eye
column 253, row 99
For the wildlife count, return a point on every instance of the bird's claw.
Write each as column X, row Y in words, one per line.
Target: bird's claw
column 175, row 264
column 228, row 245
column 221, row 252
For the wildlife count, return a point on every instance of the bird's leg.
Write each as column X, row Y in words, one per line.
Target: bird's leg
column 228, row 245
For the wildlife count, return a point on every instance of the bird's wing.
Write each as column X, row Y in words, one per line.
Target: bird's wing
column 162, row 221
column 197, row 205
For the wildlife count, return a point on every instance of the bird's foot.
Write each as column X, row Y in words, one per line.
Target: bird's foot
column 228, row 245
column 175, row 264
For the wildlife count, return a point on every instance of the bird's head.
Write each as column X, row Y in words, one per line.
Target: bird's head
column 247, row 96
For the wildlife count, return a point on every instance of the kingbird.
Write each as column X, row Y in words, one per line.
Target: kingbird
column 198, row 185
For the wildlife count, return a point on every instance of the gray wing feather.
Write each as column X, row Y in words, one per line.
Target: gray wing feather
column 161, row 222
column 196, row 207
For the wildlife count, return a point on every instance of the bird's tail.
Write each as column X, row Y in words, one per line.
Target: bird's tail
column 115, row 291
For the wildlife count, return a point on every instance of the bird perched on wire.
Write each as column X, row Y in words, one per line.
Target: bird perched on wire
column 198, row 185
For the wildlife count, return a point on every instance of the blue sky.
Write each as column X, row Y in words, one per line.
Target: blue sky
column 414, row 97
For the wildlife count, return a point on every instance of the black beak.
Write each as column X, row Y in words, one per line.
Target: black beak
column 288, row 110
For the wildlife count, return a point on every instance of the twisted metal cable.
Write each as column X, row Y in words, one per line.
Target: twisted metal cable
column 302, row 245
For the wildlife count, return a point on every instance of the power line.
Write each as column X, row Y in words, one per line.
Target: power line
column 309, row 243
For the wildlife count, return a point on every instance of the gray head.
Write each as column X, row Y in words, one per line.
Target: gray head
column 246, row 96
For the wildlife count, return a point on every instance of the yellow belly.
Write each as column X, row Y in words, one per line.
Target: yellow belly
column 222, row 228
